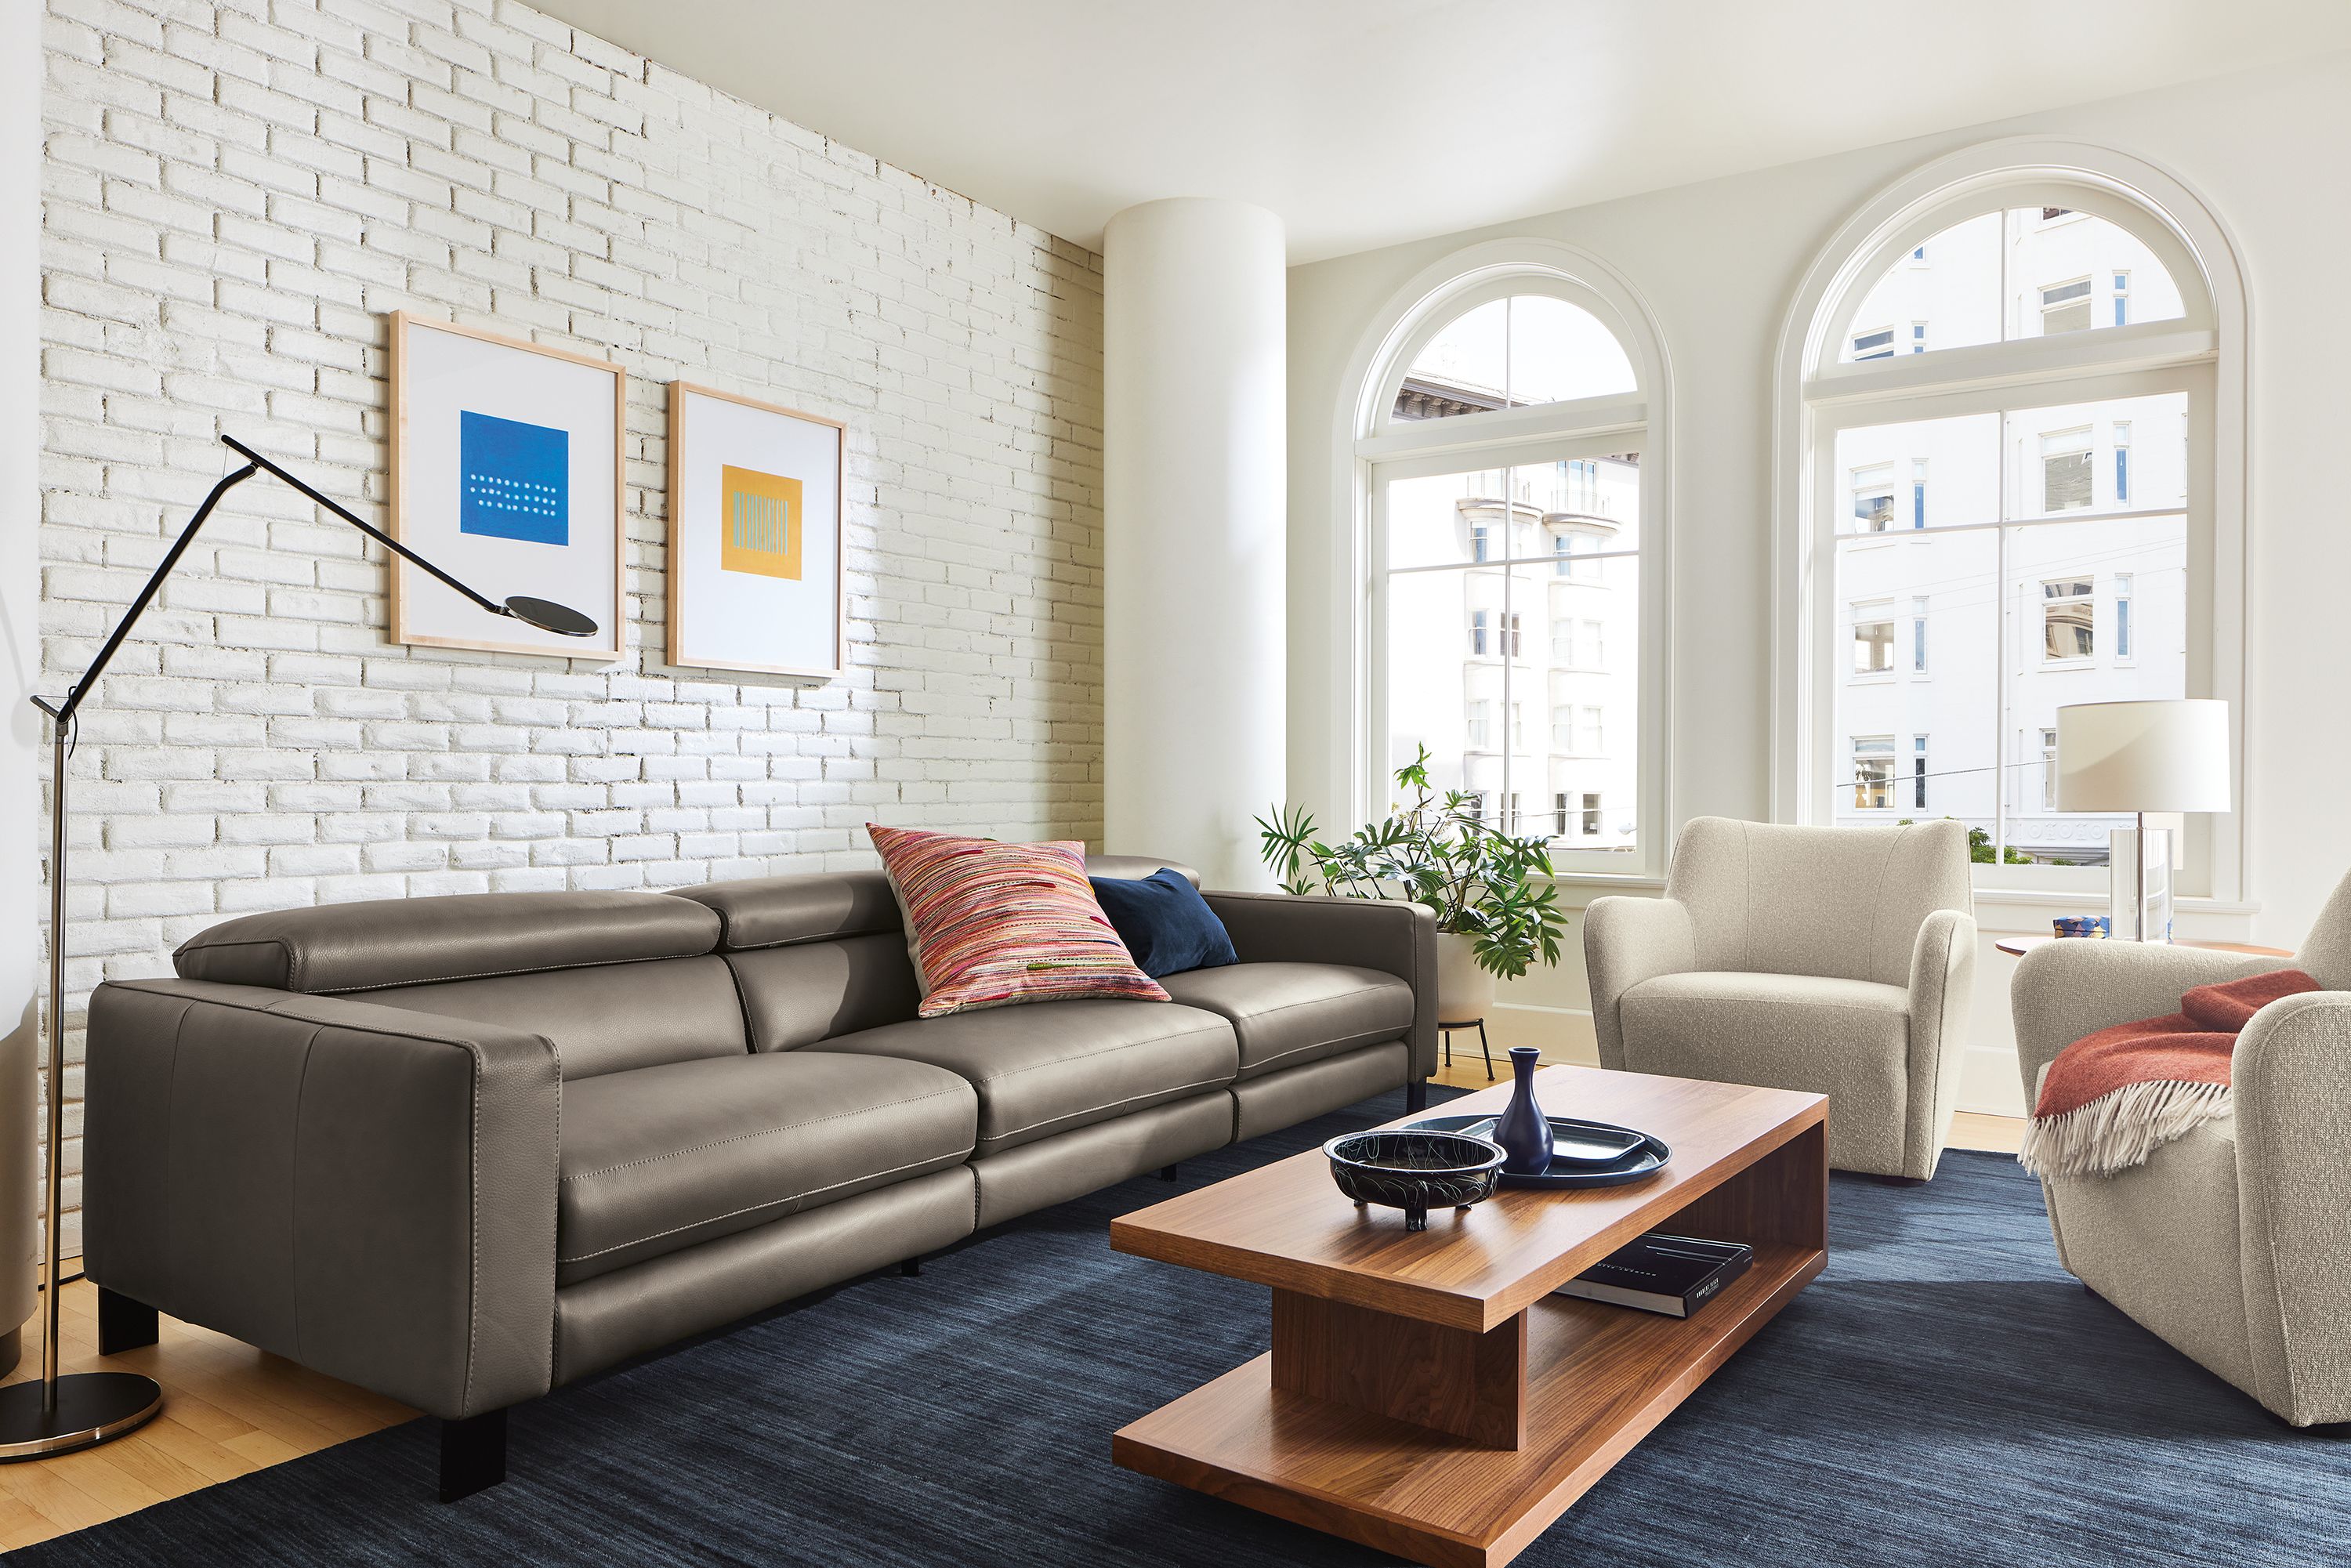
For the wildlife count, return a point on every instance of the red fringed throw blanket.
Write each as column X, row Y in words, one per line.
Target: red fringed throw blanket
column 2113, row 1098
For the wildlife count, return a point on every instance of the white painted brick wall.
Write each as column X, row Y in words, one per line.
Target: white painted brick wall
column 238, row 192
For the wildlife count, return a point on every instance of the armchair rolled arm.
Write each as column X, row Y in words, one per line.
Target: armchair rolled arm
column 2063, row 990
column 365, row 1189
column 1626, row 941
column 1388, row 934
column 2291, row 1082
column 1942, row 989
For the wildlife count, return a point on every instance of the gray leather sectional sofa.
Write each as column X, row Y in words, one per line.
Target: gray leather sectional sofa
column 465, row 1150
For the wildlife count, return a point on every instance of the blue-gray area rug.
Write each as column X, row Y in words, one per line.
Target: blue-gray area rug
column 1943, row 1395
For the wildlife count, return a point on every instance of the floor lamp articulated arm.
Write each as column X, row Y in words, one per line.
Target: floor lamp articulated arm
column 58, row 1413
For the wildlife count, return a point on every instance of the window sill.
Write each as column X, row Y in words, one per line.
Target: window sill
column 1578, row 888
column 2007, row 911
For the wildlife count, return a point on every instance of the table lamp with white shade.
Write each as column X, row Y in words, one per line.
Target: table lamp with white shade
column 2144, row 758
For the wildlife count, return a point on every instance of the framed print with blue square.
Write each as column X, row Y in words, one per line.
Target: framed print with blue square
column 754, row 547
column 506, row 465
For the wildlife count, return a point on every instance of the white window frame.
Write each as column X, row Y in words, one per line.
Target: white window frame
column 2075, row 442
column 1478, row 724
column 2085, row 601
column 2085, row 300
column 1875, row 748
column 1886, row 351
column 2205, row 350
column 1871, row 613
column 1368, row 450
column 1873, row 480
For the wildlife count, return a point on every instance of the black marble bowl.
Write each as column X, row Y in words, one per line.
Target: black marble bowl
column 1414, row 1171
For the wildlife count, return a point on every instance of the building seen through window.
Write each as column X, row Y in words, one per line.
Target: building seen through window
column 2039, row 556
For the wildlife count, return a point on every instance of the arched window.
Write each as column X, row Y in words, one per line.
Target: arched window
column 1507, row 453
column 2017, row 384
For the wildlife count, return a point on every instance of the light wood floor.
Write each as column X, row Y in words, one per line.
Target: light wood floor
column 229, row 1409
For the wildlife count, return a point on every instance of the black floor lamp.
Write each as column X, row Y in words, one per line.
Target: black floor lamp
column 56, row 1413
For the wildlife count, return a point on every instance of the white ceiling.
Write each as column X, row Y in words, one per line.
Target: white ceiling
column 1365, row 123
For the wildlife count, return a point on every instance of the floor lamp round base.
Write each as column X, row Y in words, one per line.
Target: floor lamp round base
column 93, row 1407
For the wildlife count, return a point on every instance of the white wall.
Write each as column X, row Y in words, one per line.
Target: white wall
column 1719, row 263
column 236, row 194
column 22, row 753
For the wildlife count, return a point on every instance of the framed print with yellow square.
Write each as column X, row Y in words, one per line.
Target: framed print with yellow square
column 755, row 557
column 505, row 467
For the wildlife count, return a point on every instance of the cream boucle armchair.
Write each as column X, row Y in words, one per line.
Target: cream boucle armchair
column 1835, row 960
column 2235, row 1242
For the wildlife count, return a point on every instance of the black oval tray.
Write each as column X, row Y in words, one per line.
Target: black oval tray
column 1646, row 1161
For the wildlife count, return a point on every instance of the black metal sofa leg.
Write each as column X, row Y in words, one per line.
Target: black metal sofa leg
column 124, row 1323
column 473, row 1454
column 1416, row 1096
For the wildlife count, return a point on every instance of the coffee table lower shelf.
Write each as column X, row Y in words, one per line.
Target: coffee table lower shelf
column 1599, row 1378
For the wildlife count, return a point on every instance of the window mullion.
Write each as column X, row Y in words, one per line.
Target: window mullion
column 1510, row 641
column 2001, row 725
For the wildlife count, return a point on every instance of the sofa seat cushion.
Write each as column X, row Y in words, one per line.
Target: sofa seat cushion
column 659, row 1158
column 1053, row 1067
column 1287, row 1015
column 1849, row 1040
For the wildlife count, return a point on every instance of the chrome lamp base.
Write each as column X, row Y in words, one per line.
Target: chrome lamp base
column 89, row 1408
column 2141, row 865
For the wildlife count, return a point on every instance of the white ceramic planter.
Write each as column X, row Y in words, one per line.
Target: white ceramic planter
column 1465, row 993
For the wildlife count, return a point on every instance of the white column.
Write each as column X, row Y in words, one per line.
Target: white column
column 1194, row 533
column 21, row 750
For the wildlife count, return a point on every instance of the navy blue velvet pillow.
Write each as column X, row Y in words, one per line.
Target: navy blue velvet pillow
column 1165, row 923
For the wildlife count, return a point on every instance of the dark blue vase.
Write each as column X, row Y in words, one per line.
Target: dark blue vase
column 1523, row 1132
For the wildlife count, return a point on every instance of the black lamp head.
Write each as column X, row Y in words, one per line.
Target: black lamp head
column 549, row 616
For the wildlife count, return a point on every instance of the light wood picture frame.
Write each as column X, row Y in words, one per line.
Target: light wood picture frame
column 507, row 471
column 757, row 573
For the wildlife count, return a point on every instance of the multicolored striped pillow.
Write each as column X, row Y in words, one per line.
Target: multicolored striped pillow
column 989, row 923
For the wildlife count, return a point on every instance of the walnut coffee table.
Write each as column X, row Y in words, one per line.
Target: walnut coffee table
column 1425, row 1393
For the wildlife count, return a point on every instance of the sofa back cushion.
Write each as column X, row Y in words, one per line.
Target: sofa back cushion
column 333, row 948
column 781, row 911
column 810, row 992
column 814, row 956
column 607, row 1019
column 1134, row 868
column 614, row 979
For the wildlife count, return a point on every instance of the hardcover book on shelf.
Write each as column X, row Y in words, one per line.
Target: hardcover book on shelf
column 1674, row 1275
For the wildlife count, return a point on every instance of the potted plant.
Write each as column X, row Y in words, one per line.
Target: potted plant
column 1494, row 917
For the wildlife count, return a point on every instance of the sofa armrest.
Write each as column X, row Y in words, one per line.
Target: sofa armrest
column 368, row 1191
column 1942, row 987
column 2291, row 1082
column 2063, row 990
column 1627, row 941
column 1388, row 934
